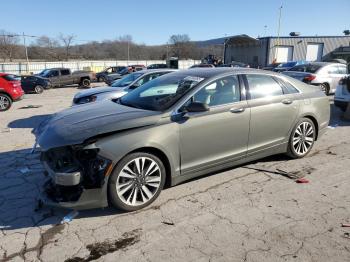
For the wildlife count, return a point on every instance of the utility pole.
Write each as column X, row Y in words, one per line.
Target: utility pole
column 128, row 51
column 278, row 30
column 26, row 51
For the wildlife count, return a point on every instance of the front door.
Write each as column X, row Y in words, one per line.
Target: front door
column 219, row 135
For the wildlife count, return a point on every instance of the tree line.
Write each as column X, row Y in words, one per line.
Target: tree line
column 66, row 47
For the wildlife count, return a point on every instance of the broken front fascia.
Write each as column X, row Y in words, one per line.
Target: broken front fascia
column 78, row 177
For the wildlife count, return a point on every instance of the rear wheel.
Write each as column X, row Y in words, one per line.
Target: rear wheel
column 101, row 79
column 38, row 89
column 302, row 138
column 85, row 82
column 136, row 182
column 325, row 88
column 5, row 102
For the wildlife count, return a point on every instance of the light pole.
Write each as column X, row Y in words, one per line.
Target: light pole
column 26, row 51
column 278, row 30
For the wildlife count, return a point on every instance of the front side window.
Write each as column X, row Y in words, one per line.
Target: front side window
column 220, row 92
column 263, row 86
column 161, row 93
column 53, row 73
column 342, row 70
column 332, row 70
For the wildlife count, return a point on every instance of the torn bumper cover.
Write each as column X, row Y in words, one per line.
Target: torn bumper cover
column 77, row 178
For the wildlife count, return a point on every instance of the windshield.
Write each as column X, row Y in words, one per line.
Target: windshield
column 44, row 72
column 11, row 77
column 161, row 93
column 289, row 64
column 127, row 80
column 306, row 68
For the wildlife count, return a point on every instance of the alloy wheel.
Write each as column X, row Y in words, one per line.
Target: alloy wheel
column 4, row 103
column 138, row 181
column 303, row 138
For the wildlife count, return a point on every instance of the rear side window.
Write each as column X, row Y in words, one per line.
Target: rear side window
column 342, row 70
column 309, row 68
column 11, row 77
column 263, row 86
column 290, row 88
column 65, row 72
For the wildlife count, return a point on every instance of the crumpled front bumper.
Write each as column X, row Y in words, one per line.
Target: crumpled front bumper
column 53, row 195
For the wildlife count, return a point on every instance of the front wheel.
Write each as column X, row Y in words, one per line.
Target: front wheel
column 136, row 181
column 5, row 102
column 38, row 89
column 325, row 88
column 302, row 138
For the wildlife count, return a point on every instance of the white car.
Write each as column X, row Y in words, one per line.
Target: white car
column 342, row 93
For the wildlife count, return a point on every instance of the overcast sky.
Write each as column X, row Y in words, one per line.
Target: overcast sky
column 152, row 22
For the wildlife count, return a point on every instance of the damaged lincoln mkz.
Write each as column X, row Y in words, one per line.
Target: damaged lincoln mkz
column 181, row 125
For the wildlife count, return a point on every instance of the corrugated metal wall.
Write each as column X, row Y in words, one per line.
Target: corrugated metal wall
column 300, row 44
column 246, row 53
column 96, row 66
column 265, row 50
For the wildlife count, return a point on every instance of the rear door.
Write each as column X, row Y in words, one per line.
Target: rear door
column 66, row 78
column 273, row 112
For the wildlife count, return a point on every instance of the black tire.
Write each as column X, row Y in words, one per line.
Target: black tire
column 101, row 79
column 5, row 102
column 85, row 82
column 292, row 150
column 325, row 88
column 118, row 201
column 38, row 89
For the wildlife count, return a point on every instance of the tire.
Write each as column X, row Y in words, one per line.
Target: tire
column 126, row 180
column 301, row 139
column 85, row 82
column 101, row 79
column 38, row 89
column 5, row 102
column 325, row 88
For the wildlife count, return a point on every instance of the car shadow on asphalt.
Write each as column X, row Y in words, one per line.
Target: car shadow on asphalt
column 29, row 122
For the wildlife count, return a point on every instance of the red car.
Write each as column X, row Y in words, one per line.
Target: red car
column 10, row 90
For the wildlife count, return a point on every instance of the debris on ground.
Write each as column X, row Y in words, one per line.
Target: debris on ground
column 302, row 180
column 332, row 126
column 69, row 217
column 346, row 235
column 24, row 170
column 6, row 130
column 345, row 225
column 168, row 223
column 30, row 106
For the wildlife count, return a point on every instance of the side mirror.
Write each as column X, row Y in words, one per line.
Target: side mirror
column 136, row 85
column 196, row 107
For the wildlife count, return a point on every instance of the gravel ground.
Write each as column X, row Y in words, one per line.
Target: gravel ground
column 249, row 213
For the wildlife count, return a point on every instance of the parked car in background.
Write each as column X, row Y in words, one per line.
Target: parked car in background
column 157, row 66
column 202, row 66
column 288, row 65
column 234, row 64
column 174, row 128
column 34, row 84
column 119, row 87
column 322, row 74
column 270, row 67
column 102, row 76
column 127, row 70
column 342, row 93
column 60, row 77
column 10, row 90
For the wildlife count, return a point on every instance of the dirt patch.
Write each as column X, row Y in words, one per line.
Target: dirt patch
column 100, row 249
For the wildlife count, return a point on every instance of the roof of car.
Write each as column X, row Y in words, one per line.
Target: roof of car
column 208, row 72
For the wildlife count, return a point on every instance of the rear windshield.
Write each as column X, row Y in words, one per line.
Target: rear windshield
column 306, row 68
column 11, row 77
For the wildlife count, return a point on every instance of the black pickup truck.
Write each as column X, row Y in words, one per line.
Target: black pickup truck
column 63, row 77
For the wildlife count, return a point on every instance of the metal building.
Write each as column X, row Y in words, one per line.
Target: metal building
column 266, row 50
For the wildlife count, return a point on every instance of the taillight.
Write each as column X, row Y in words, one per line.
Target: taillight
column 309, row 78
column 15, row 84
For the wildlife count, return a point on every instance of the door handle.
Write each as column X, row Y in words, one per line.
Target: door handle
column 237, row 110
column 287, row 101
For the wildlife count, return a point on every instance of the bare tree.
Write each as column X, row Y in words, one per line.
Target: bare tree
column 9, row 44
column 182, row 47
column 67, row 42
column 49, row 47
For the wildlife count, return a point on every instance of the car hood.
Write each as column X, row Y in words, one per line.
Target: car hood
column 98, row 90
column 76, row 124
